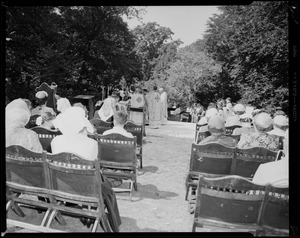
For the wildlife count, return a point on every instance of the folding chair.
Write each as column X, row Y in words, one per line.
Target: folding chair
column 77, row 181
column 117, row 155
column 230, row 202
column 26, row 174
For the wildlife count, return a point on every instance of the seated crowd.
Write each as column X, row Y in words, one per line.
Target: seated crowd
column 256, row 128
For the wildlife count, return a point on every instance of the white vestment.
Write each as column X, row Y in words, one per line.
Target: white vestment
column 154, row 106
column 107, row 109
column 164, row 108
column 137, row 101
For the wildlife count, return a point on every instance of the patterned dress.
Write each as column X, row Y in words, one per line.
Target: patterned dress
column 220, row 139
column 259, row 139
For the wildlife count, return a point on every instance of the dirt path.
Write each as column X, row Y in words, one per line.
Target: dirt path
column 158, row 205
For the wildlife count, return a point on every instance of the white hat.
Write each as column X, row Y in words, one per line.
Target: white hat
column 211, row 112
column 72, row 121
column 239, row 108
column 280, row 120
column 41, row 94
column 263, row 120
column 216, row 122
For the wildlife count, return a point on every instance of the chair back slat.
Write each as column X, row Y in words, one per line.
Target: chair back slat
column 230, row 200
column 25, row 167
column 211, row 158
column 135, row 130
column 45, row 137
column 275, row 214
column 72, row 174
column 117, row 148
column 229, row 129
column 248, row 160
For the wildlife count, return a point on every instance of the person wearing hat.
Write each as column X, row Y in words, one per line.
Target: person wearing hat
column 108, row 108
column 280, row 124
column 234, row 120
column 74, row 127
column 41, row 99
column 262, row 123
column 46, row 118
column 216, row 127
column 17, row 115
column 204, row 120
column 275, row 172
column 246, row 125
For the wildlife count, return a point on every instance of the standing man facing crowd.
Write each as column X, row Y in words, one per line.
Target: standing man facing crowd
column 164, row 106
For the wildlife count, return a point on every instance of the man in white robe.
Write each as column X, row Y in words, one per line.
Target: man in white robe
column 164, row 106
column 108, row 108
column 154, row 106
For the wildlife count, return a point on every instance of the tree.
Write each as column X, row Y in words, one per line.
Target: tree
column 251, row 44
column 192, row 77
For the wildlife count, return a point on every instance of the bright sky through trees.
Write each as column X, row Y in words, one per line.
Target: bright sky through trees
column 187, row 22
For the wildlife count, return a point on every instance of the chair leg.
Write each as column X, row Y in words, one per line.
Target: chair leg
column 187, row 192
column 194, row 227
column 17, row 209
column 131, row 190
column 135, row 185
column 141, row 161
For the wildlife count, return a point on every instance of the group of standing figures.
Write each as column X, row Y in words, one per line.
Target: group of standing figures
column 153, row 104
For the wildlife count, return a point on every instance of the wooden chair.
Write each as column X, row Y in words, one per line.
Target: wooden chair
column 32, row 122
column 45, row 137
column 117, row 155
column 202, row 135
column 211, row 160
column 26, row 174
column 86, row 100
column 274, row 218
column 247, row 161
column 77, row 181
column 100, row 125
column 230, row 202
column 136, row 130
column 51, row 102
column 229, row 129
column 141, row 110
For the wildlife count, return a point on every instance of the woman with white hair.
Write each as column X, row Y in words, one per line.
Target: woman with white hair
column 204, row 120
column 262, row 122
column 17, row 115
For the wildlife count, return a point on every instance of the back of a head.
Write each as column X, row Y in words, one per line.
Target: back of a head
column 263, row 121
column 216, row 123
column 154, row 88
column 120, row 118
column 281, row 122
column 239, row 109
column 211, row 112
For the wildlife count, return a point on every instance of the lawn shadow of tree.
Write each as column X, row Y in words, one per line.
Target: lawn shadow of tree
column 146, row 169
column 130, row 225
column 148, row 191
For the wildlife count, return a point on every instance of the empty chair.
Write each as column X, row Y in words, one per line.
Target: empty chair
column 211, row 160
column 230, row 202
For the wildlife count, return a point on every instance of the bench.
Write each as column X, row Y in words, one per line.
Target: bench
column 59, row 178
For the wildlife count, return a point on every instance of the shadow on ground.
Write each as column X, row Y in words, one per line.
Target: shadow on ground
column 130, row 225
column 147, row 169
